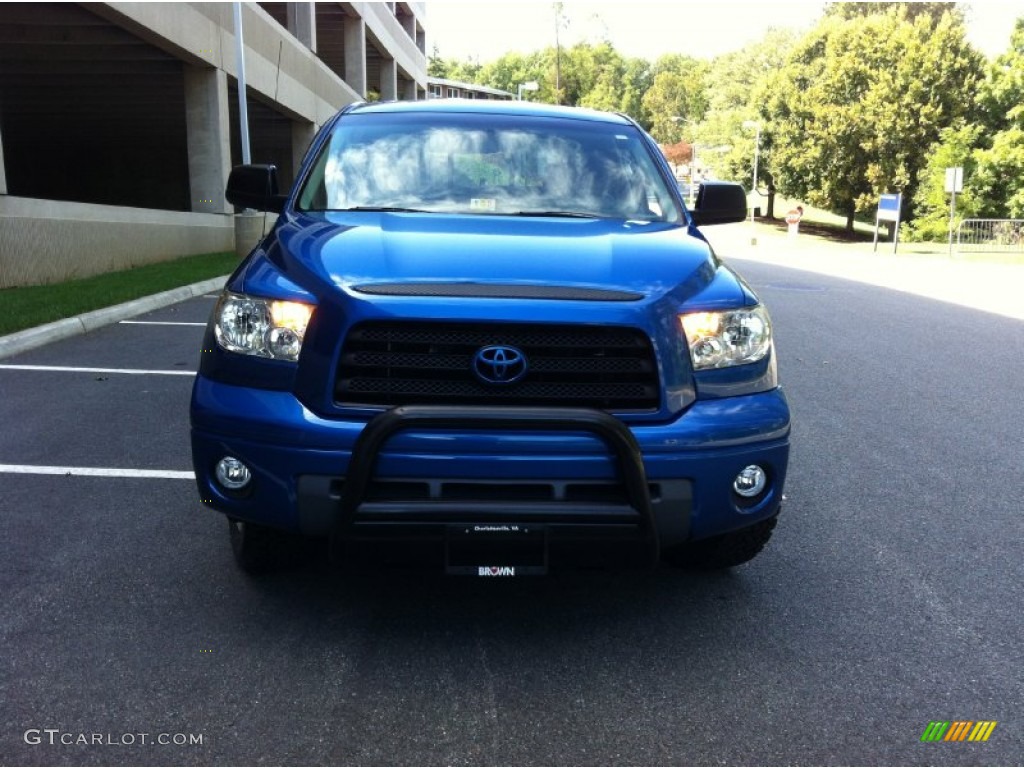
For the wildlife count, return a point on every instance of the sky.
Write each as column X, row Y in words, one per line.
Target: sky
column 486, row 29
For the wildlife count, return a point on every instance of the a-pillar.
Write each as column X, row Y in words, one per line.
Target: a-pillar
column 209, row 150
column 302, row 23
column 302, row 137
column 388, row 80
column 355, row 54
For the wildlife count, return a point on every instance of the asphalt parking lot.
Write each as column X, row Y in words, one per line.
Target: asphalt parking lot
column 889, row 597
column 101, row 527
column 89, row 395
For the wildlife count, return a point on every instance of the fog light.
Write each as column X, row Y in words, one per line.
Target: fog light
column 233, row 474
column 750, row 482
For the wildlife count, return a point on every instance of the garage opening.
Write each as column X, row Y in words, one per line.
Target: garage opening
column 89, row 112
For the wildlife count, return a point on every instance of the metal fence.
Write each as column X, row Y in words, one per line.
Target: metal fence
column 990, row 235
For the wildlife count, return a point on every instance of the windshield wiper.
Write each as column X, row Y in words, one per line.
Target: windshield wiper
column 558, row 214
column 381, row 209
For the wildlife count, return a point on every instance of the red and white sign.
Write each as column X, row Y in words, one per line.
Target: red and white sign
column 793, row 217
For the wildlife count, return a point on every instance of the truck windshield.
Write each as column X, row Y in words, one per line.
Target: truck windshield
column 488, row 165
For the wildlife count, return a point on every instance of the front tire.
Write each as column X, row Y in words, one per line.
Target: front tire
column 257, row 549
column 725, row 551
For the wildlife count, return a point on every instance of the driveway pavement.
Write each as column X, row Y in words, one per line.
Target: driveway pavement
column 996, row 288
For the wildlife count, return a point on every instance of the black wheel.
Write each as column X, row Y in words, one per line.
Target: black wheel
column 257, row 549
column 723, row 551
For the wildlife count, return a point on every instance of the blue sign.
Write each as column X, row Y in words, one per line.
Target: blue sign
column 889, row 210
column 889, row 207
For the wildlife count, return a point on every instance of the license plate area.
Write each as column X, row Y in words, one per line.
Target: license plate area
column 496, row 550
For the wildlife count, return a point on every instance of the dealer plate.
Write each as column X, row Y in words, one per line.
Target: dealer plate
column 496, row 550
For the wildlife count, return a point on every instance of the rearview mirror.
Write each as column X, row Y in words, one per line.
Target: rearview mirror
column 719, row 202
column 255, row 186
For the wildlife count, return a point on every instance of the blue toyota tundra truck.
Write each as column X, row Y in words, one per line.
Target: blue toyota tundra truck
column 489, row 334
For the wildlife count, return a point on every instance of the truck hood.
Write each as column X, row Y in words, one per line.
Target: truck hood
column 367, row 248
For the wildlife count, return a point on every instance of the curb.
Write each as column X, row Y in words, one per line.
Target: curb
column 31, row 338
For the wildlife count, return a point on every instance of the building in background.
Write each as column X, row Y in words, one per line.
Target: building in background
column 119, row 121
column 453, row 89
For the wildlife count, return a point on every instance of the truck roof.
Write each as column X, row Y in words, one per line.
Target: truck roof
column 487, row 106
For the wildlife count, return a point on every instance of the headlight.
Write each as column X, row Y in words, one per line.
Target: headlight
column 723, row 339
column 261, row 327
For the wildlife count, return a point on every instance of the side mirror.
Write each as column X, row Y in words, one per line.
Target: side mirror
column 719, row 202
column 255, row 186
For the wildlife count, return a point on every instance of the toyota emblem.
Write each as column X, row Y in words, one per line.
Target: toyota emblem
column 499, row 365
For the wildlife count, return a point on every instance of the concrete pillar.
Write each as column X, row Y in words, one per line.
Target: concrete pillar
column 355, row 54
column 250, row 227
column 410, row 89
column 3, row 173
column 388, row 80
column 302, row 23
column 302, row 137
column 209, row 148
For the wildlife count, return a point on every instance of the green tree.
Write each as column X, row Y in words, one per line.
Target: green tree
column 582, row 66
column 954, row 148
column 513, row 69
column 607, row 70
column 608, row 82
column 677, row 95
column 1003, row 90
column 853, row 10
column 467, row 71
column 740, row 81
column 998, row 181
column 436, row 66
column 999, row 176
column 636, row 81
column 861, row 100
column 595, row 76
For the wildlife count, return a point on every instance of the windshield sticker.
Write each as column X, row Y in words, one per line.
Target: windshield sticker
column 483, row 204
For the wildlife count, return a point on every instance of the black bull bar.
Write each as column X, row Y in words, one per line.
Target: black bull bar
column 611, row 431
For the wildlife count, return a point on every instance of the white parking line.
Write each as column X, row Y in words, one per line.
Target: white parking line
column 132, row 371
column 157, row 322
column 163, row 474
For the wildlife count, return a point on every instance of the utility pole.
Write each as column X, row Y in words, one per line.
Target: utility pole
column 558, row 54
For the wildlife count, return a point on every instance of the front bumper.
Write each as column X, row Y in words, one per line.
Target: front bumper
column 416, row 472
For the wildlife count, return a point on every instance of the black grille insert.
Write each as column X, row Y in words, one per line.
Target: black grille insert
column 401, row 363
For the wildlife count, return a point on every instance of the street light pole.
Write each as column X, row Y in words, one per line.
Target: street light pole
column 243, row 111
column 558, row 54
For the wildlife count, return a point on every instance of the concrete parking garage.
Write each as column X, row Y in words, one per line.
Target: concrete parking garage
column 119, row 122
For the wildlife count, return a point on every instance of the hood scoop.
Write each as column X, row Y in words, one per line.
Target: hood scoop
column 496, row 291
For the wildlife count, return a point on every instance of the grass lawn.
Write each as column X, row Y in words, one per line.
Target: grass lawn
column 830, row 226
column 30, row 306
